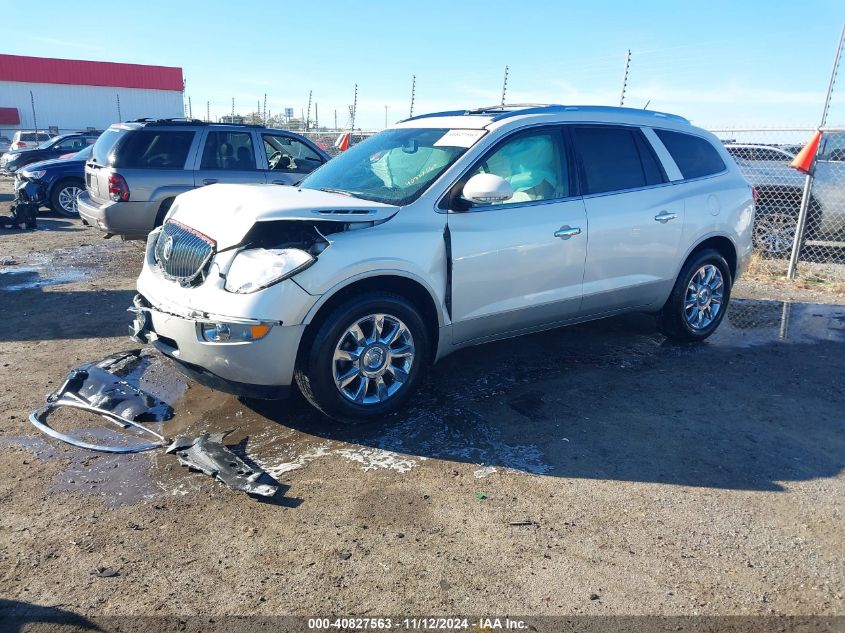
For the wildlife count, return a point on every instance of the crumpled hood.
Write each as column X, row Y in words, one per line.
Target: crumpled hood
column 226, row 213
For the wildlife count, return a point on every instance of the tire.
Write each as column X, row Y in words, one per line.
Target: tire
column 679, row 318
column 62, row 192
column 378, row 383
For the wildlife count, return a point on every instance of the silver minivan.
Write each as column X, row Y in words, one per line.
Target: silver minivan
column 441, row 232
column 138, row 168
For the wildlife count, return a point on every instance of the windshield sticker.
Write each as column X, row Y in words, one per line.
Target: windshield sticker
column 459, row 138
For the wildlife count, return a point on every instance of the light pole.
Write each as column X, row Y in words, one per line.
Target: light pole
column 386, row 107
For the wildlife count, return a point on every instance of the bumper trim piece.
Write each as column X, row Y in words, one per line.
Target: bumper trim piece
column 209, row 455
column 93, row 387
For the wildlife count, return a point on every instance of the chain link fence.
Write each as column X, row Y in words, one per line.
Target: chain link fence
column 764, row 156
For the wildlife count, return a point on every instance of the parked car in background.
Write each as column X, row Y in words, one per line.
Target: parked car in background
column 5, row 143
column 13, row 160
column 55, row 183
column 780, row 189
column 27, row 139
column 138, row 168
column 441, row 232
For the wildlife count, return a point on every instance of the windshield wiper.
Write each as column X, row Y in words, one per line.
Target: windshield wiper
column 340, row 191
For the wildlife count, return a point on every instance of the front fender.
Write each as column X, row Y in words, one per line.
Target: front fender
column 377, row 272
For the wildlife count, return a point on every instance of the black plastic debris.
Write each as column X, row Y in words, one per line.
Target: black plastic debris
column 95, row 387
column 207, row 454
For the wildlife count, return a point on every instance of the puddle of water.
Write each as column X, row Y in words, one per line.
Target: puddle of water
column 30, row 277
column 754, row 322
column 119, row 479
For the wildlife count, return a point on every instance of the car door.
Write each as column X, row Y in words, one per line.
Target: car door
column 635, row 216
column 518, row 265
column 228, row 156
column 289, row 160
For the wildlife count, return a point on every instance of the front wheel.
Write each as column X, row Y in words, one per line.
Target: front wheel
column 366, row 359
column 699, row 298
column 64, row 196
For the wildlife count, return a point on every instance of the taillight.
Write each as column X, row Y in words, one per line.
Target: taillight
column 118, row 189
column 20, row 144
column 755, row 195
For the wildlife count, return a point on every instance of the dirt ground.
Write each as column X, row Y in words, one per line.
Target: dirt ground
column 653, row 478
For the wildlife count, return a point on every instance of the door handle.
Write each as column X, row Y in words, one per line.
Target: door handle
column 209, row 181
column 278, row 182
column 565, row 232
column 664, row 216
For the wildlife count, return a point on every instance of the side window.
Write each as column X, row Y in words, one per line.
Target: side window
column 615, row 158
column 70, row 144
column 228, row 151
column 289, row 154
column 532, row 163
column 155, row 150
column 693, row 155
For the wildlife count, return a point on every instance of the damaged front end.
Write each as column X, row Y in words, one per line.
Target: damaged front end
column 30, row 195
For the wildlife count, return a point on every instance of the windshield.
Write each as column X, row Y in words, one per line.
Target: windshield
column 395, row 166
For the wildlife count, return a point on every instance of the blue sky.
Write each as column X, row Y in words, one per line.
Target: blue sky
column 719, row 63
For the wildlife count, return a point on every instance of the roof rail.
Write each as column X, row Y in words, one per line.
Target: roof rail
column 499, row 112
column 435, row 114
column 543, row 109
column 169, row 121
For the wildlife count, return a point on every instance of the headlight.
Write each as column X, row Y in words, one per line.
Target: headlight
column 257, row 268
column 34, row 175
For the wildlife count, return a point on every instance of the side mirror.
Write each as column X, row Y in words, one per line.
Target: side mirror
column 487, row 189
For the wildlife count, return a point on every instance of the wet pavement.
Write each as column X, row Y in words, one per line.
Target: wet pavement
column 457, row 415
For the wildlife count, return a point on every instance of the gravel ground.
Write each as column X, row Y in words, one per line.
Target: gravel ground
column 647, row 477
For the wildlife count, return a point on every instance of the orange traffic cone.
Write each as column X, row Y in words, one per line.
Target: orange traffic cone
column 807, row 156
column 342, row 142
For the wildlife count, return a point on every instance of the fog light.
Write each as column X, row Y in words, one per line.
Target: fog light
column 232, row 332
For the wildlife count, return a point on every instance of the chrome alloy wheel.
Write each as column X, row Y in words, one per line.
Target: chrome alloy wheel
column 774, row 233
column 703, row 299
column 372, row 359
column 67, row 198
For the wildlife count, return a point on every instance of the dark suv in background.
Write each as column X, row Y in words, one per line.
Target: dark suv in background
column 57, row 146
column 137, row 168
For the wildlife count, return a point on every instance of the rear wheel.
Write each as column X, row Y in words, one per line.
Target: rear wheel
column 64, row 197
column 366, row 359
column 699, row 298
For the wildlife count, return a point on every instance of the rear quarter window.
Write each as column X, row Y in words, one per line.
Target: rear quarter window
column 151, row 149
column 693, row 155
column 104, row 144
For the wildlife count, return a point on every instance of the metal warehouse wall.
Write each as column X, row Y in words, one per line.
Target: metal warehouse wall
column 78, row 107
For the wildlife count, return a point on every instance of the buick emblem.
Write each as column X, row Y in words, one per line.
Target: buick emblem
column 167, row 249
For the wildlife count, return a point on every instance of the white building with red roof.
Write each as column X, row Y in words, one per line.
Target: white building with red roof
column 71, row 94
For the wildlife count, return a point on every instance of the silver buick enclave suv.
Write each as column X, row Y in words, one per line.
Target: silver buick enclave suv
column 441, row 232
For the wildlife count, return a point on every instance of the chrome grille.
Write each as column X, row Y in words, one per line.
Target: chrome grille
column 183, row 253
